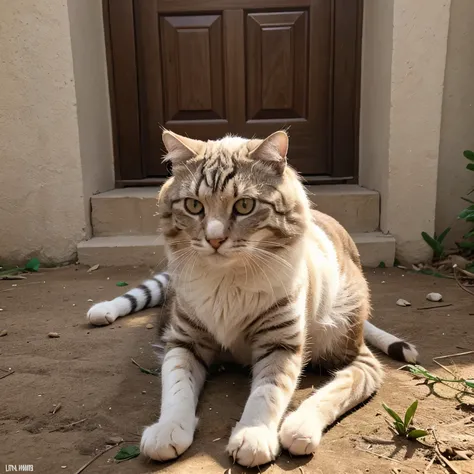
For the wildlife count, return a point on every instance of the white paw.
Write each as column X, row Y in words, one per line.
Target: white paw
column 166, row 440
column 301, row 433
column 253, row 445
column 102, row 314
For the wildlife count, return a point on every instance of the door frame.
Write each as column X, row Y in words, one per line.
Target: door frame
column 122, row 63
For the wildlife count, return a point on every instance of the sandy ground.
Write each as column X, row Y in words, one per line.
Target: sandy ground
column 89, row 372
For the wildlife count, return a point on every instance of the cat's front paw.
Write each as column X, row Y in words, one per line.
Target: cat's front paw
column 301, row 433
column 253, row 445
column 166, row 440
column 102, row 314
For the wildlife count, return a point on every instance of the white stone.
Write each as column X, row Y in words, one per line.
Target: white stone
column 434, row 297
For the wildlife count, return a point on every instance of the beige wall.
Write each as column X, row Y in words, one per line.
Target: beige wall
column 92, row 91
column 404, row 55
column 457, row 128
column 48, row 155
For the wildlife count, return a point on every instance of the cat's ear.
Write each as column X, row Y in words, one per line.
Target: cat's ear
column 179, row 148
column 272, row 150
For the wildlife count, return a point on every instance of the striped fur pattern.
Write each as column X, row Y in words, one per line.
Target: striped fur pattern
column 150, row 293
column 256, row 272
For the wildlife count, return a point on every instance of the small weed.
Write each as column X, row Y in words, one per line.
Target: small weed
column 32, row 265
column 404, row 427
column 463, row 385
column 436, row 242
column 121, row 283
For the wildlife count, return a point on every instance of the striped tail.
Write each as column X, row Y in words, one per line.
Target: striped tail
column 393, row 346
column 147, row 295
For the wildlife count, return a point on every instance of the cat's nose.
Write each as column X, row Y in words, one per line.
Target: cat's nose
column 216, row 243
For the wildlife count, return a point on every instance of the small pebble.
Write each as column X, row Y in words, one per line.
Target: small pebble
column 63, row 467
column 53, row 335
column 435, row 297
column 149, row 326
column 402, row 302
column 90, row 301
column 114, row 440
column 93, row 268
column 143, row 391
column 74, row 304
column 3, row 332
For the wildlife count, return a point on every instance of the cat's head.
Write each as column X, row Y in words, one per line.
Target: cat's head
column 230, row 198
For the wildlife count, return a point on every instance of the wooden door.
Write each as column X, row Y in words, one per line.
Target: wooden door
column 249, row 67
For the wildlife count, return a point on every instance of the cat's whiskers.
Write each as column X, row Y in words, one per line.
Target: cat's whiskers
column 275, row 257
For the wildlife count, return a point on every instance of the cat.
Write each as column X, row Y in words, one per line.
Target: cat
column 254, row 270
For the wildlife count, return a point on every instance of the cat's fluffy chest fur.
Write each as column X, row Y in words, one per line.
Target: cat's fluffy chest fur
column 223, row 302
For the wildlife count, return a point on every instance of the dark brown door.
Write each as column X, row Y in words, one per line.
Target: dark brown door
column 249, row 67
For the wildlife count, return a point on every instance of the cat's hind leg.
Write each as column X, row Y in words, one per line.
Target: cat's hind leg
column 301, row 431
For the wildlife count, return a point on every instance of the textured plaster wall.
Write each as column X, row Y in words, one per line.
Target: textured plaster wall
column 55, row 132
column 92, row 91
column 376, row 74
column 457, row 126
column 41, row 195
column 405, row 172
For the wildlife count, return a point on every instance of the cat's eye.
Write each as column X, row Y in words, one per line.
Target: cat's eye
column 193, row 206
column 244, row 206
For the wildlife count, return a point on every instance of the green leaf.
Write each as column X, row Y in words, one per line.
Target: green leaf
column 434, row 244
column 414, row 434
column 469, row 154
column 444, row 234
column 400, row 428
column 470, row 166
column 122, row 283
column 420, row 371
column 469, row 383
column 464, row 213
column 392, row 414
column 429, row 240
column 466, row 245
column 381, row 265
column 127, row 452
column 32, row 265
column 467, row 200
column 410, row 413
column 468, row 236
column 396, row 262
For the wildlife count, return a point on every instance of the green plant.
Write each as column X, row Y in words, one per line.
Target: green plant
column 467, row 214
column 436, row 242
column 32, row 265
column 404, row 427
column 464, row 384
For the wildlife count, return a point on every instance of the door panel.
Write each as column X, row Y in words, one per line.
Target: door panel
column 249, row 67
column 277, row 60
column 193, row 67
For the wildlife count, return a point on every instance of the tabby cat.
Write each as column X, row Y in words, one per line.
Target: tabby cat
column 254, row 271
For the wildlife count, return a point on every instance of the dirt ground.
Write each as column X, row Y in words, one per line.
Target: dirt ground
column 89, row 372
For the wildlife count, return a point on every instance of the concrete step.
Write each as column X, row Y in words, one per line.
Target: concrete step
column 130, row 211
column 374, row 247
